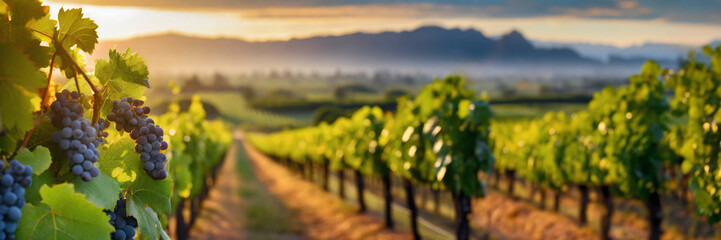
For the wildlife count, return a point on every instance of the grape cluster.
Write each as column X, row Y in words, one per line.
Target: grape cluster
column 124, row 225
column 13, row 182
column 77, row 135
column 130, row 116
column 128, row 113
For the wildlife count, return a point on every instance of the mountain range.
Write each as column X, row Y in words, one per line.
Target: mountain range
column 431, row 50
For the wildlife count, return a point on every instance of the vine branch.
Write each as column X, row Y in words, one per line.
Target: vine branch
column 97, row 92
column 44, row 99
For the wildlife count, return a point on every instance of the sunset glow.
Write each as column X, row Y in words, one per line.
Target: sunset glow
column 593, row 25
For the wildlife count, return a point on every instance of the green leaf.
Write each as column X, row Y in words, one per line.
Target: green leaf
column 65, row 64
column 15, row 33
column 39, row 159
column 148, row 222
column 76, row 30
column 19, row 79
column 44, row 26
column 120, row 161
column 42, row 135
column 15, row 106
column 64, row 214
column 114, row 158
column 116, row 89
column 32, row 193
column 84, row 87
column 23, row 11
column 124, row 66
column 102, row 190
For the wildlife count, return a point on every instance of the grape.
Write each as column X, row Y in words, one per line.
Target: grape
column 77, row 170
column 130, row 116
column 15, row 178
column 124, row 225
column 154, row 161
column 77, row 135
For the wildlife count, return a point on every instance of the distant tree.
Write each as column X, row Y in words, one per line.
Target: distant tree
column 248, row 92
column 193, row 84
column 220, row 82
column 274, row 74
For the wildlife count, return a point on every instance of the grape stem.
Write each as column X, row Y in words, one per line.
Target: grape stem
column 97, row 93
column 44, row 99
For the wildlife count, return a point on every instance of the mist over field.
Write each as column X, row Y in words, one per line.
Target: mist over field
column 426, row 50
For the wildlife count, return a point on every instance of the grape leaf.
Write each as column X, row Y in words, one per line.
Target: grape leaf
column 65, row 64
column 32, row 193
column 116, row 89
column 25, row 10
column 116, row 156
column 16, row 68
column 126, row 66
column 43, row 135
column 44, row 26
column 63, row 214
column 76, row 30
column 121, row 162
column 84, row 87
column 14, row 32
column 14, row 105
column 18, row 80
column 39, row 159
column 102, row 190
column 148, row 222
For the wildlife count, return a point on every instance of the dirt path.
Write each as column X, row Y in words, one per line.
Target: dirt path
column 322, row 215
column 240, row 207
column 220, row 218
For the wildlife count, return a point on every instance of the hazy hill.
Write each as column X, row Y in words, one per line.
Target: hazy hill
column 432, row 50
column 605, row 53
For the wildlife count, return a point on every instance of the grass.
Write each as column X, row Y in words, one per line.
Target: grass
column 264, row 213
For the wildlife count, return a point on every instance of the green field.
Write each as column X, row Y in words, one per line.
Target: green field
column 234, row 108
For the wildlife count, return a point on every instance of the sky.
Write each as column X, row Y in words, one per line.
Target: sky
column 620, row 23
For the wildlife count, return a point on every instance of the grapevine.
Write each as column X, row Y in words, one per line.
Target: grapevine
column 50, row 142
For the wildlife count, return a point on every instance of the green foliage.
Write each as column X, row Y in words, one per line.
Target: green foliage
column 59, row 204
column 631, row 121
column 617, row 142
column 126, row 66
column 698, row 98
column 445, row 115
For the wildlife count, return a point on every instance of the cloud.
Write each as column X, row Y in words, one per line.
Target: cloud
column 696, row 11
